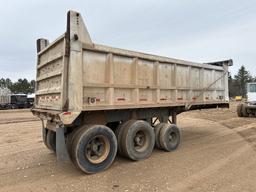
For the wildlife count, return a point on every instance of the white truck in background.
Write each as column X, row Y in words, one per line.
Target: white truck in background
column 249, row 107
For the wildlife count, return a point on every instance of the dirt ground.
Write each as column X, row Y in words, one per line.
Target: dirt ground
column 218, row 153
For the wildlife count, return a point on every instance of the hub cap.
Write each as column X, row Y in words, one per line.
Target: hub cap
column 140, row 141
column 97, row 149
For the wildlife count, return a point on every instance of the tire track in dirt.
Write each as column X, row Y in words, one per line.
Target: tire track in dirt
column 245, row 127
column 23, row 120
column 211, row 169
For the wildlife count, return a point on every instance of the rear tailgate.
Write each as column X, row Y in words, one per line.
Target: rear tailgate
column 51, row 88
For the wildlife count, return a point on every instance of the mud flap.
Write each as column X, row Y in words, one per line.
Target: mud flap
column 44, row 134
column 61, row 148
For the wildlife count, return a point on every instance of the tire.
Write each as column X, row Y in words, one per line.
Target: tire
column 44, row 134
column 137, row 140
column 14, row 106
column 119, row 133
column 47, row 138
column 70, row 139
column 158, row 127
column 239, row 110
column 169, row 137
column 94, row 148
column 244, row 111
column 51, row 140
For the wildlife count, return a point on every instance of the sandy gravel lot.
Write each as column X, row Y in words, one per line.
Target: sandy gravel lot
column 218, row 153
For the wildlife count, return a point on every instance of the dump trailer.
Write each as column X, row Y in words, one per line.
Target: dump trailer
column 5, row 98
column 248, row 108
column 95, row 100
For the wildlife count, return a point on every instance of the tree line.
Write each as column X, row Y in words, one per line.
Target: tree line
column 20, row 86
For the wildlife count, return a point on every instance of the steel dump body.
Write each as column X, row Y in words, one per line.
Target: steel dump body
column 75, row 75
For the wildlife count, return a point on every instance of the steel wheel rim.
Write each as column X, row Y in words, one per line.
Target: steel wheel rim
column 140, row 141
column 97, row 149
column 173, row 137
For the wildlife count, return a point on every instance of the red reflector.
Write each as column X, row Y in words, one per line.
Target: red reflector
column 120, row 99
column 67, row 113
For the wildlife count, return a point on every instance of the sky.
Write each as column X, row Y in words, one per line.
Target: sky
column 198, row 30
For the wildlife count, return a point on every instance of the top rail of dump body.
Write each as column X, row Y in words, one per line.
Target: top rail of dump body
column 125, row 52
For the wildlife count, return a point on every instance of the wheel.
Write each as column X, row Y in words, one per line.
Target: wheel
column 169, row 137
column 70, row 138
column 137, row 140
column 158, row 127
column 239, row 110
column 94, row 148
column 44, row 133
column 119, row 133
column 244, row 111
column 51, row 140
column 14, row 106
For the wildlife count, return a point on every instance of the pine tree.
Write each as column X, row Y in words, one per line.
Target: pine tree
column 231, row 86
column 243, row 76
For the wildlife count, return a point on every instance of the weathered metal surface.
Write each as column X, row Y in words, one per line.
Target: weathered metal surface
column 74, row 74
column 5, row 95
column 51, row 75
